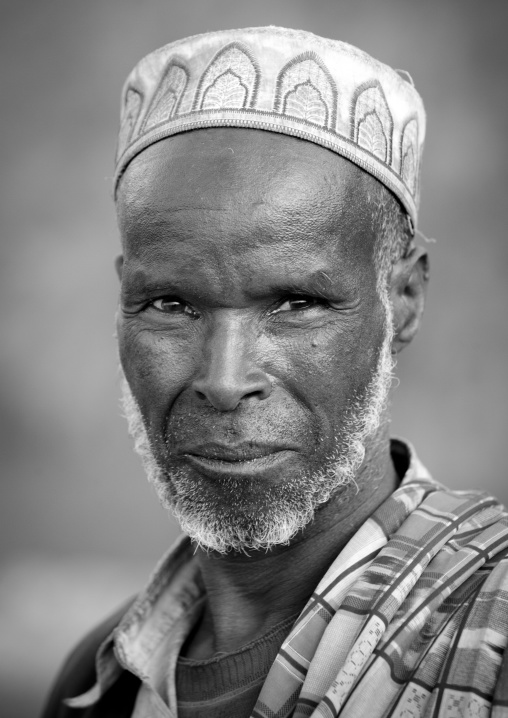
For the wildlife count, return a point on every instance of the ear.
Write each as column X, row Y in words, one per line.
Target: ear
column 119, row 266
column 408, row 286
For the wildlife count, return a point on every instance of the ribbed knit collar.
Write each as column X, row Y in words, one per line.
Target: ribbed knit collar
column 198, row 680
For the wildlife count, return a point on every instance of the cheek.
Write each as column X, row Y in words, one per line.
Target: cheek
column 330, row 367
column 157, row 368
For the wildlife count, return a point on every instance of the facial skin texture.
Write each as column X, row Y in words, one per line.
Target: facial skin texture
column 249, row 326
column 240, row 514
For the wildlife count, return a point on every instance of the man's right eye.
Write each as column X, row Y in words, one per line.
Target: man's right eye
column 171, row 305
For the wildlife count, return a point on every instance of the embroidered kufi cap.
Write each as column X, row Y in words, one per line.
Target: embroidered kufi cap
column 287, row 81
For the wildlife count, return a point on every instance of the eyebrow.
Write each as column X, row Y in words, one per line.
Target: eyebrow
column 318, row 281
column 315, row 283
column 138, row 280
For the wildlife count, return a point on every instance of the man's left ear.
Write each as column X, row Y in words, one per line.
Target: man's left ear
column 408, row 285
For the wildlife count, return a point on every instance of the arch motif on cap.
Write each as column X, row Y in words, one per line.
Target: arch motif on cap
column 371, row 121
column 130, row 114
column 305, row 90
column 409, row 154
column 230, row 81
column 167, row 97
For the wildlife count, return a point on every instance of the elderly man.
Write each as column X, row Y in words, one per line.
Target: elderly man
column 267, row 191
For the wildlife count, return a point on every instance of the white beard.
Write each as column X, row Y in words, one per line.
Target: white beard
column 236, row 515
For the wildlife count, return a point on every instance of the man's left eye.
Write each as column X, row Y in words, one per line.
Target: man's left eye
column 293, row 304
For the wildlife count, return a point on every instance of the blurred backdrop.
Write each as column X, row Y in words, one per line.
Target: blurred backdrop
column 79, row 527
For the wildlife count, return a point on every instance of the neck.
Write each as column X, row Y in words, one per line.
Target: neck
column 248, row 594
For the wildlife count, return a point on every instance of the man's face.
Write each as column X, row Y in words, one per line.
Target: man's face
column 250, row 327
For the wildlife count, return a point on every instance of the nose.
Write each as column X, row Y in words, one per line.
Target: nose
column 229, row 373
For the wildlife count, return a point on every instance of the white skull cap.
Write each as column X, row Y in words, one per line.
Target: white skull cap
column 280, row 80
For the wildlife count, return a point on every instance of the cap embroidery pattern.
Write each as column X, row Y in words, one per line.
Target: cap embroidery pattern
column 371, row 122
column 131, row 108
column 408, row 158
column 230, row 81
column 306, row 90
column 167, row 97
column 330, row 93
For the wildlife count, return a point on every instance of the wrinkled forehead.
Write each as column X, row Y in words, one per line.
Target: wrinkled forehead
column 252, row 170
column 228, row 196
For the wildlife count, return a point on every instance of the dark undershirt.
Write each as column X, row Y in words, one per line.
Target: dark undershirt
column 227, row 686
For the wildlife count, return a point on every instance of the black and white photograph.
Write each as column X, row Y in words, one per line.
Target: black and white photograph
column 253, row 359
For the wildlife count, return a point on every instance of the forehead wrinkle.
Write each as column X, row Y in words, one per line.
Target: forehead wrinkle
column 301, row 198
column 237, row 266
column 230, row 247
column 228, row 258
column 153, row 234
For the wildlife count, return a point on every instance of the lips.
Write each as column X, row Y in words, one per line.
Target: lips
column 217, row 461
column 232, row 453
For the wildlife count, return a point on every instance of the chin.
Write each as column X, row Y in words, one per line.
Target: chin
column 231, row 513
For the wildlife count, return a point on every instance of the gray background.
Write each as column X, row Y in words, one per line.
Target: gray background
column 79, row 527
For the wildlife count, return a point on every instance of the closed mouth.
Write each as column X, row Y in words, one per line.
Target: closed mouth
column 232, row 454
column 236, row 461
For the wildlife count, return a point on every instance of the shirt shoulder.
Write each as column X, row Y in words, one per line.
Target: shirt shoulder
column 78, row 673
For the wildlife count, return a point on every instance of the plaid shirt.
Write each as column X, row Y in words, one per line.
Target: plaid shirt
column 410, row 620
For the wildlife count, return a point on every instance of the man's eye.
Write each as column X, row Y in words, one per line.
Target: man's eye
column 294, row 304
column 170, row 305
